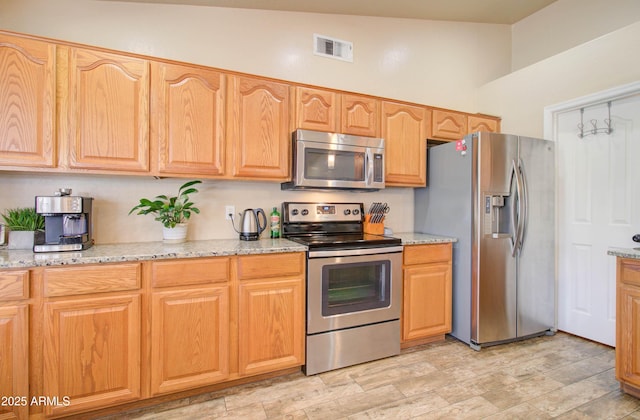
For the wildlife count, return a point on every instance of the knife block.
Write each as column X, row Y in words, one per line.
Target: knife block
column 373, row 228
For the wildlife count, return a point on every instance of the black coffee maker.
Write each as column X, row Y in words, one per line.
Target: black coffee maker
column 67, row 222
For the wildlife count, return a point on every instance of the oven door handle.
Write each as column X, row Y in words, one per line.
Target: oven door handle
column 355, row 252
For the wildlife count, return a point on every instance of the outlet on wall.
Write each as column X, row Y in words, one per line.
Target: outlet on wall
column 228, row 211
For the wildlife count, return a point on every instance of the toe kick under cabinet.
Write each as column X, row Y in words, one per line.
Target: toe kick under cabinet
column 426, row 294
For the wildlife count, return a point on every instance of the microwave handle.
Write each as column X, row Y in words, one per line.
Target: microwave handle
column 369, row 165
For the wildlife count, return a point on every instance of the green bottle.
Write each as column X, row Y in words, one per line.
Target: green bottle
column 275, row 223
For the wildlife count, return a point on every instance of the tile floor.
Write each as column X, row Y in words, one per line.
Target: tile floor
column 546, row 377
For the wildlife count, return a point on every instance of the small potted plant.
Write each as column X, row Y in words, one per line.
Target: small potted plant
column 22, row 223
column 172, row 212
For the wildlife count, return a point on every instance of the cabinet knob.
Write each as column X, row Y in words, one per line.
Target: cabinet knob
column 636, row 237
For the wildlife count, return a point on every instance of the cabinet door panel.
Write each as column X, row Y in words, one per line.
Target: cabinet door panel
column 360, row 115
column 448, row 125
column 190, row 338
column 628, row 335
column 482, row 124
column 427, row 301
column 108, row 111
column 258, row 128
column 271, row 326
column 27, row 102
column 14, row 366
column 92, row 352
column 316, row 109
column 405, row 129
column 188, row 119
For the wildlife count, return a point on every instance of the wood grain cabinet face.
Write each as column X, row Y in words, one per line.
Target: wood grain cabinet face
column 14, row 363
column 190, row 338
column 628, row 325
column 360, row 115
column 27, row 102
column 448, row 125
column 317, row 109
column 405, row 129
column 108, row 111
column 271, row 313
column 335, row 112
column 482, row 124
column 427, row 282
column 188, row 119
column 258, row 128
column 92, row 351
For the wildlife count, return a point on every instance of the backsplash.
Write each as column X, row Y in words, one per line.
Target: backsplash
column 114, row 196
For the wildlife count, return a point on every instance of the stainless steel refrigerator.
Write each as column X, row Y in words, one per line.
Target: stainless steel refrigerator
column 495, row 194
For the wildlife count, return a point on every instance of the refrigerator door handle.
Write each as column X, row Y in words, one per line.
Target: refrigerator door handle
column 524, row 204
column 514, row 210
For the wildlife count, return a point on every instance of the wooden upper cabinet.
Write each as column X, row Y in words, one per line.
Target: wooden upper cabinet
column 360, row 115
column 258, row 128
column 27, row 102
column 405, row 129
column 187, row 106
column 317, row 109
column 476, row 123
column 334, row 112
column 108, row 111
column 448, row 125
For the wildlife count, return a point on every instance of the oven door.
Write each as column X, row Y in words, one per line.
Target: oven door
column 349, row 288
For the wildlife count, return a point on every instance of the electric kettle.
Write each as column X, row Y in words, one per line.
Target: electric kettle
column 251, row 226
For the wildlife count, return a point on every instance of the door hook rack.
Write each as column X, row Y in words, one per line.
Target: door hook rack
column 594, row 125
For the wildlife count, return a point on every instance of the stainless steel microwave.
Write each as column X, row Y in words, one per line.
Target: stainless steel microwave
column 336, row 161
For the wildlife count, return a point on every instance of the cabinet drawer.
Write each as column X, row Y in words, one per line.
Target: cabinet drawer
column 271, row 265
column 186, row 272
column 425, row 254
column 629, row 271
column 14, row 284
column 91, row 279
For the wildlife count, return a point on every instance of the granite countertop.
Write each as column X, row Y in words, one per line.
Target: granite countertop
column 144, row 251
column 633, row 253
column 107, row 253
column 414, row 238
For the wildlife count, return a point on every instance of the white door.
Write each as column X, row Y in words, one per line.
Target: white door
column 598, row 208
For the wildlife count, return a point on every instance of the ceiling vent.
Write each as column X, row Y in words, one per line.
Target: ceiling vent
column 332, row 48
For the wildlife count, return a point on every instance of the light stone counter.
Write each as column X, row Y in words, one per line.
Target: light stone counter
column 633, row 253
column 142, row 251
column 412, row 238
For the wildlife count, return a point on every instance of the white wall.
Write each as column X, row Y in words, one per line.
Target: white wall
column 520, row 97
column 420, row 61
column 566, row 24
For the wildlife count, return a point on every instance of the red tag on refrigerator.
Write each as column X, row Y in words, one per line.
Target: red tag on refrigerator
column 461, row 146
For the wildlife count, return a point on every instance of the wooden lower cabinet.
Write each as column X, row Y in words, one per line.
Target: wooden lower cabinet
column 14, row 344
column 189, row 338
column 91, row 352
column 628, row 326
column 271, row 326
column 426, row 306
column 14, row 372
column 270, row 312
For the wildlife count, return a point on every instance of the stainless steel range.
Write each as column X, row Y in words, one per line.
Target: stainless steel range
column 354, row 285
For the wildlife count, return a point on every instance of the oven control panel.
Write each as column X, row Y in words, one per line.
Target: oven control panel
column 322, row 212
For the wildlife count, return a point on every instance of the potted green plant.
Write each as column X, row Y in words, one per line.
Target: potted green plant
column 172, row 212
column 22, row 223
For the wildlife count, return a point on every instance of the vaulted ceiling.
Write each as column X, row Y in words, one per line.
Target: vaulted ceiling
column 481, row 11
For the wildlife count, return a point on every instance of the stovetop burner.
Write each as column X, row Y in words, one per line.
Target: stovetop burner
column 329, row 225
